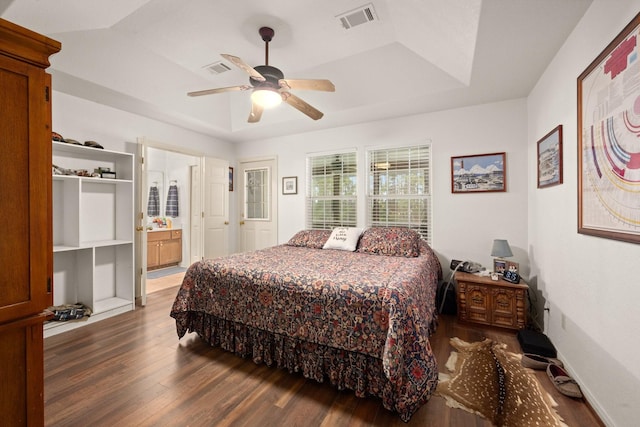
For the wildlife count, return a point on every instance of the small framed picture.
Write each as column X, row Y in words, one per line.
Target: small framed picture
column 499, row 266
column 512, row 266
column 290, row 185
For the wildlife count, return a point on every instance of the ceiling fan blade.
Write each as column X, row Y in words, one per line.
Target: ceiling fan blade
column 256, row 113
column 323, row 85
column 244, row 66
column 219, row 90
column 301, row 105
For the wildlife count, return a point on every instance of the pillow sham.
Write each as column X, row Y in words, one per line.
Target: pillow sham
column 314, row 239
column 390, row 241
column 343, row 238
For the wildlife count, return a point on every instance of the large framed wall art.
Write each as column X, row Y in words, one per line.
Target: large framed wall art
column 609, row 140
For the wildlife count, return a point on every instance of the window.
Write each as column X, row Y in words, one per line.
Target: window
column 331, row 191
column 256, row 194
column 399, row 188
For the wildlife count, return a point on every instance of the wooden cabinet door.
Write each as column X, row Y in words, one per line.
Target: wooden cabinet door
column 153, row 254
column 26, row 244
column 21, row 397
column 503, row 310
column 478, row 303
column 171, row 251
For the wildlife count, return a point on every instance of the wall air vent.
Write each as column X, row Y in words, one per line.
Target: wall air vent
column 217, row 67
column 359, row 16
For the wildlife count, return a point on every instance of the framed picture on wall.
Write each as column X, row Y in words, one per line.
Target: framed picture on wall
column 609, row 140
column 290, row 185
column 478, row 173
column 550, row 158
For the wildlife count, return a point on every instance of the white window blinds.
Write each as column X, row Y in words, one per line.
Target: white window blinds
column 399, row 188
column 331, row 191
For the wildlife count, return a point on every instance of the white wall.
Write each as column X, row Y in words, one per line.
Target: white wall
column 590, row 282
column 464, row 224
column 114, row 129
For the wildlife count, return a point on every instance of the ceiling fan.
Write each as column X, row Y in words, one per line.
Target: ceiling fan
column 269, row 85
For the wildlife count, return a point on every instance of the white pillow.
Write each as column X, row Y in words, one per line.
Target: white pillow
column 343, row 238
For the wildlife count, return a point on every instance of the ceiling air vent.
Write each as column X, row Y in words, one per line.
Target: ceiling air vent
column 361, row 15
column 217, row 67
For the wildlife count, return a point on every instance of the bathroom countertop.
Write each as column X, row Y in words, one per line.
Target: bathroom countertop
column 162, row 229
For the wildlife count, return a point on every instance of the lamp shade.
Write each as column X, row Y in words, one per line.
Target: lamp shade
column 266, row 98
column 501, row 249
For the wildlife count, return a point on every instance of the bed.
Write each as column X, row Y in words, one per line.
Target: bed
column 360, row 319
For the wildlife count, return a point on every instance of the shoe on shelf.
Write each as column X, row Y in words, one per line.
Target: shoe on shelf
column 563, row 382
column 537, row 362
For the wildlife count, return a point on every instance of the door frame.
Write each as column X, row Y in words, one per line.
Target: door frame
column 141, row 209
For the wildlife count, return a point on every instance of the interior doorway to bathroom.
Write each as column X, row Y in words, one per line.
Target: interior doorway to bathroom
column 177, row 193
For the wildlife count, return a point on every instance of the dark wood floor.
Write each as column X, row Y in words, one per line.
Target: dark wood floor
column 132, row 370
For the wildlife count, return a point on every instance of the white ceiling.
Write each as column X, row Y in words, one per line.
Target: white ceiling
column 419, row 56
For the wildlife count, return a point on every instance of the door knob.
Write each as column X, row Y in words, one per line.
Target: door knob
column 139, row 228
column 241, row 222
column 226, row 223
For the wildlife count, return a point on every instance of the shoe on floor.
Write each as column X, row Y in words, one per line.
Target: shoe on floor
column 539, row 363
column 563, row 382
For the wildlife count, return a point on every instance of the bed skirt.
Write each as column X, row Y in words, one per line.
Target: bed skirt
column 343, row 369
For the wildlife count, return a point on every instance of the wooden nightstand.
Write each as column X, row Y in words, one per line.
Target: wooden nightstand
column 496, row 303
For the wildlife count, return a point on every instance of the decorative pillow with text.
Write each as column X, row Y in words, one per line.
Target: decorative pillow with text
column 343, row 238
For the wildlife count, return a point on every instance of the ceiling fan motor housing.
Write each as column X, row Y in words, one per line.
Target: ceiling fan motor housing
column 271, row 74
column 266, row 33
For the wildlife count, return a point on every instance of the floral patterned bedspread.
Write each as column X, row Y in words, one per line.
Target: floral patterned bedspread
column 379, row 306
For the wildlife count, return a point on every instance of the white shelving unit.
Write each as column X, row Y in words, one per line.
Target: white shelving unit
column 93, row 234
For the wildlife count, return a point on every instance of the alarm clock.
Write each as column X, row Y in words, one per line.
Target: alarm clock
column 511, row 276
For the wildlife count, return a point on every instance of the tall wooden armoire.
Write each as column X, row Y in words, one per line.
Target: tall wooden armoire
column 25, row 213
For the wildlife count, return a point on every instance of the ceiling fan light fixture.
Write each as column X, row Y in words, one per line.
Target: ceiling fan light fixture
column 266, row 98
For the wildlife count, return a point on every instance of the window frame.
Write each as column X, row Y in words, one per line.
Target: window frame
column 347, row 204
column 424, row 227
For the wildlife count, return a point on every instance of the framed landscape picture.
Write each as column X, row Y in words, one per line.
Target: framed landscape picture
column 609, row 141
column 550, row 158
column 478, row 173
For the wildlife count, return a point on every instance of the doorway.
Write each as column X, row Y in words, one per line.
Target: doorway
column 169, row 231
column 169, row 220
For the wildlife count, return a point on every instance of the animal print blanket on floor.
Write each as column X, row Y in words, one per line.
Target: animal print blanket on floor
column 487, row 380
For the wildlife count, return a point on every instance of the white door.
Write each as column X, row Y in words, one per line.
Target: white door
column 141, row 221
column 216, row 208
column 258, row 204
column 196, row 215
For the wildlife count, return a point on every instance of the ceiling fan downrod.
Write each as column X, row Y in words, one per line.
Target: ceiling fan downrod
column 267, row 34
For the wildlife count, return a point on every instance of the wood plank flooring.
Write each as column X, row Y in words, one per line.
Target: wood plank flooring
column 164, row 282
column 132, row 370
